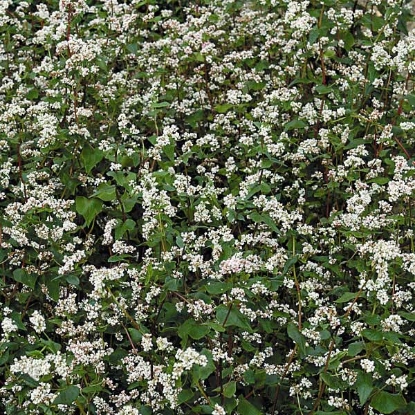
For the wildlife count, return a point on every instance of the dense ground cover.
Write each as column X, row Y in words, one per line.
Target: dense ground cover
column 207, row 207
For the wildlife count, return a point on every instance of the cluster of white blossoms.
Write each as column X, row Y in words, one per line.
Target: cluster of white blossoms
column 206, row 207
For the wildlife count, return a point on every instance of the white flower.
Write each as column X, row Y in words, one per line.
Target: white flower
column 367, row 365
column 38, row 322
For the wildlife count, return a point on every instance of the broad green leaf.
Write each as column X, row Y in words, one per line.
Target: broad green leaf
column 290, row 263
column 296, row 336
column 229, row 389
column 88, row 208
column 255, row 86
column 135, row 335
column 372, row 335
column 364, row 384
column 184, row 396
column 132, row 48
column 331, row 381
column 246, row 408
column 407, row 316
column 232, row 318
column 355, row 348
column 323, row 89
column 128, row 202
column 67, row 396
column 51, row 345
column 265, row 218
column 346, row 297
column 379, row 180
column 118, row 258
column 17, row 319
column 52, row 285
column 294, row 125
column 163, row 104
column 90, row 157
column 249, row 377
column 221, row 109
column 169, row 151
column 32, row 94
column 387, row 403
column 218, row 287
column 348, row 40
column 72, row 279
column 196, row 117
column 21, row 275
column 105, row 192
column 203, row 372
column 193, row 329
column 121, row 229
column 4, row 357
column 411, row 99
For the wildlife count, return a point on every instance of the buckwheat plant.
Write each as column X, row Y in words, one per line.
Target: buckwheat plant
column 207, row 207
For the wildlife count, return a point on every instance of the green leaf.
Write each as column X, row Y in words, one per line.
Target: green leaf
column 72, row 279
column 296, row 336
column 190, row 328
column 128, row 202
column 179, row 241
column 132, row 48
column 249, row 377
column 290, row 263
column 323, row 89
column 246, row 408
column 379, row 180
column 195, row 118
column 184, row 396
column 232, row 318
column 52, row 285
column 88, row 208
column 364, row 384
column 119, row 258
column 120, row 230
column 17, row 319
column 51, row 345
column 355, row 348
column 346, row 297
column 331, row 381
column 294, row 125
column 90, row 157
column 387, row 403
column 163, row 104
column 229, row 389
column 407, row 316
column 265, row 218
column 105, row 192
column 314, row 34
column 348, row 40
column 221, row 109
column 32, row 94
column 135, row 335
column 372, row 335
column 21, row 275
column 67, row 396
column 169, row 151
column 203, row 372
column 4, row 357
column 218, row 287
column 411, row 99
